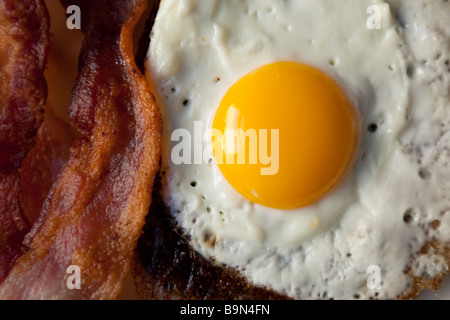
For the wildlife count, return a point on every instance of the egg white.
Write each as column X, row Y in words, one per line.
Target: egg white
column 200, row 48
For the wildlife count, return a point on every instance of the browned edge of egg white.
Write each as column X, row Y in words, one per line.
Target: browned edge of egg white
column 95, row 210
column 418, row 284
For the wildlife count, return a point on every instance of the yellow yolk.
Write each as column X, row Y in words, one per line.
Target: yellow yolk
column 285, row 135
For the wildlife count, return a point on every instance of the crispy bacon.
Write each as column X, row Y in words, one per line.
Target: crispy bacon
column 95, row 211
column 24, row 43
column 42, row 165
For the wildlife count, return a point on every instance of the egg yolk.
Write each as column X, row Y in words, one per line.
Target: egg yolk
column 285, row 135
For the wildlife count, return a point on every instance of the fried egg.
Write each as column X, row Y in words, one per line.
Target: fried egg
column 339, row 173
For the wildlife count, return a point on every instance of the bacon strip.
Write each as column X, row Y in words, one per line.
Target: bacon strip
column 94, row 213
column 41, row 167
column 24, row 43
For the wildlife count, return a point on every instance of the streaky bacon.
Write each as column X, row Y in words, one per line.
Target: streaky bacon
column 42, row 165
column 96, row 209
column 24, row 42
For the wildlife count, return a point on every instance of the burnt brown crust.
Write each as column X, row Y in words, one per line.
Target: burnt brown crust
column 166, row 267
